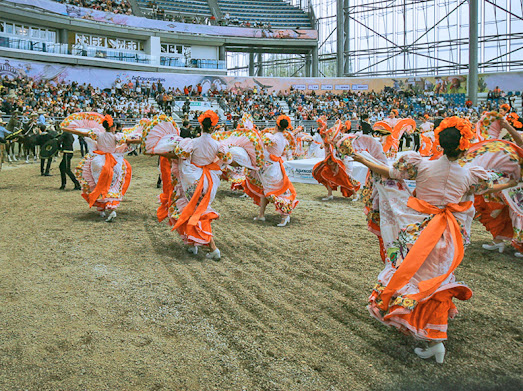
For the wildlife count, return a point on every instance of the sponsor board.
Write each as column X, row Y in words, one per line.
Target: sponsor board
column 342, row 87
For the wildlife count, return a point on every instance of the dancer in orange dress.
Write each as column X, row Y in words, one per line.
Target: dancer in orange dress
column 103, row 173
column 191, row 170
column 415, row 289
column 333, row 171
column 271, row 183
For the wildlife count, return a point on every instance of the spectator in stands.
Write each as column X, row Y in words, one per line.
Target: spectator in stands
column 115, row 6
column 186, row 131
column 496, row 94
column 365, row 127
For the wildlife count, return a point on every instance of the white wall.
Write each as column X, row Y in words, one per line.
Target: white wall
column 153, row 47
column 204, row 52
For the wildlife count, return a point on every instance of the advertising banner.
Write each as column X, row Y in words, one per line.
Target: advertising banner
column 200, row 106
column 301, row 170
column 106, row 78
column 360, row 87
column 177, row 27
column 342, row 87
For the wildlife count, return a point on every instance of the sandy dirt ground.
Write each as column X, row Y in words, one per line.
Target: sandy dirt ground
column 87, row 305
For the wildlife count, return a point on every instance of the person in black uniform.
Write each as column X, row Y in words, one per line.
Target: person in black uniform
column 41, row 139
column 66, row 141
column 442, row 114
column 186, row 131
column 364, row 125
column 83, row 146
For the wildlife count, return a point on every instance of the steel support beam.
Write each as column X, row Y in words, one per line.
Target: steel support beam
column 315, row 62
column 346, row 36
column 472, row 81
column 308, row 63
column 251, row 64
column 339, row 38
column 259, row 61
column 235, row 49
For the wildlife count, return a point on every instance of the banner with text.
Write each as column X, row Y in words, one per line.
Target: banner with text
column 107, row 78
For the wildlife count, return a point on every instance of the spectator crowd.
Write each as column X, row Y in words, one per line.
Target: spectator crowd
column 123, row 100
column 144, row 98
column 158, row 13
column 114, row 6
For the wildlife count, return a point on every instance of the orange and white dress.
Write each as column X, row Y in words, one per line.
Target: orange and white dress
column 489, row 126
column 190, row 183
column 103, row 173
column 396, row 127
column 271, row 180
column 425, row 237
column 372, row 149
column 335, row 171
column 500, row 213
column 316, row 148
column 426, row 138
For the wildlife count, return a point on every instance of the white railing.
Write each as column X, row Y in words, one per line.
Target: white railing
column 35, row 46
column 107, row 54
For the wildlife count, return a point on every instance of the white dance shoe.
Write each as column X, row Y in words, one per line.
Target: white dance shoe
column 495, row 246
column 214, row 255
column 438, row 351
column 285, row 221
column 192, row 249
column 259, row 219
column 328, row 198
column 518, row 255
column 111, row 217
column 102, row 215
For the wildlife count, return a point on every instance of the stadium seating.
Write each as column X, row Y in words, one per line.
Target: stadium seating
column 185, row 7
column 277, row 12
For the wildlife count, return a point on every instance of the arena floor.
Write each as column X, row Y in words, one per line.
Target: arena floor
column 87, row 305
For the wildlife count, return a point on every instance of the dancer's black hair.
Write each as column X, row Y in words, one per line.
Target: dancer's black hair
column 449, row 139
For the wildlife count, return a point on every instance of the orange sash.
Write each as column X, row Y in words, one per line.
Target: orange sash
column 192, row 213
column 167, row 188
column 423, row 246
column 286, row 181
column 105, row 179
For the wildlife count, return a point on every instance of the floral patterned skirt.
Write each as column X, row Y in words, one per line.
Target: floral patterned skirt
column 425, row 318
column 88, row 171
column 333, row 173
column 185, row 178
column 266, row 180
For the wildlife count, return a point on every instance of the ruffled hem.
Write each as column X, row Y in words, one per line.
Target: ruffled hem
column 199, row 234
column 325, row 175
column 495, row 218
column 425, row 320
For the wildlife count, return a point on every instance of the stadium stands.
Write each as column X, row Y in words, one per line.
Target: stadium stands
column 115, row 6
column 180, row 7
column 276, row 12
